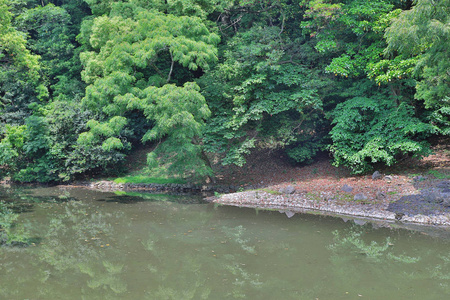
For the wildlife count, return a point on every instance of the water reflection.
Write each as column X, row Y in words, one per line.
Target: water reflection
column 76, row 247
column 95, row 248
column 361, row 256
column 134, row 197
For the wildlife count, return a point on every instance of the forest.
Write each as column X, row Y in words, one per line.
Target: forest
column 85, row 82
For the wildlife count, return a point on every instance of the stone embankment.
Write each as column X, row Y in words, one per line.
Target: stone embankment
column 431, row 206
column 105, row 185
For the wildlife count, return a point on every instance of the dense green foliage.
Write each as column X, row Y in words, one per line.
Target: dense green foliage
column 84, row 82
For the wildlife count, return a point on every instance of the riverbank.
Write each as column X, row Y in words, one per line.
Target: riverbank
column 392, row 198
column 414, row 191
column 421, row 208
column 420, row 200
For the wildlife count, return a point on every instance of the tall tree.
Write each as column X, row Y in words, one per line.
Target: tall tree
column 134, row 65
column 422, row 34
column 48, row 28
column 373, row 120
column 264, row 94
column 19, row 71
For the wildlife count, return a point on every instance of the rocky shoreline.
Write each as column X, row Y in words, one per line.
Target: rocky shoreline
column 431, row 206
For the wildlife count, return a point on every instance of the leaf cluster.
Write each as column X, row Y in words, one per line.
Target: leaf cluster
column 372, row 130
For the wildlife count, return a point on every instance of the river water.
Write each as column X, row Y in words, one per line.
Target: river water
column 94, row 245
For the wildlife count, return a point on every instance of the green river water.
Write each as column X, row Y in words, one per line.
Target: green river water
column 94, row 245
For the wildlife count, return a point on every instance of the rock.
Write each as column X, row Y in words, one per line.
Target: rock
column 446, row 202
column 376, row 175
column 445, row 194
column 359, row 222
column 287, row 190
column 381, row 195
column 346, row 188
column 419, row 178
column 432, row 195
column 290, row 214
column 399, row 216
column 443, row 184
column 360, row 197
column 388, row 177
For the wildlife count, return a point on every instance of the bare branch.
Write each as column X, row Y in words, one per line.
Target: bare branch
column 171, row 67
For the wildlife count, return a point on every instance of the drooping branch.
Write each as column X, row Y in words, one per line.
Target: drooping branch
column 171, row 67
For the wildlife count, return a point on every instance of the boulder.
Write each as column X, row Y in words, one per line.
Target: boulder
column 346, row 188
column 376, row 175
column 381, row 195
column 446, row 202
column 445, row 194
column 287, row 190
column 432, row 195
column 399, row 216
column 360, row 197
column 443, row 184
column 388, row 178
column 419, row 178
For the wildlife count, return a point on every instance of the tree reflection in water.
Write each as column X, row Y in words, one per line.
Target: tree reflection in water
column 138, row 249
column 361, row 256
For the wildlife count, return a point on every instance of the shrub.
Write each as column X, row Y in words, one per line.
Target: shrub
column 370, row 130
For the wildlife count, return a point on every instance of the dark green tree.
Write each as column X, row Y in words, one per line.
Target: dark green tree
column 19, row 71
column 264, row 93
column 375, row 119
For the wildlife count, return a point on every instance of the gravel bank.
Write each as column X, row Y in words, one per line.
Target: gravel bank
column 301, row 203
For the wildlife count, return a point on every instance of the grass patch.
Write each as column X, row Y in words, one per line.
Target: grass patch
column 344, row 197
column 349, row 198
column 412, row 175
column 367, row 201
column 439, row 175
column 272, row 192
column 147, row 179
column 314, row 196
column 269, row 191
